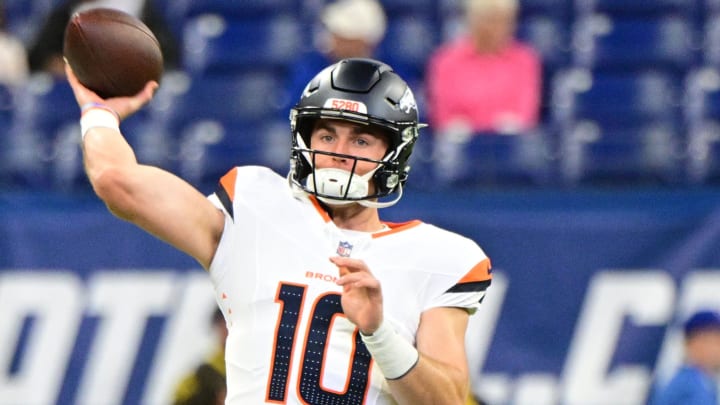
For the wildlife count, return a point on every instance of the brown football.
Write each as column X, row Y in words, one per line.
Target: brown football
column 112, row 52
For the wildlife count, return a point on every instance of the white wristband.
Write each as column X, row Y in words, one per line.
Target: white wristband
column 98, row 117
column 394, row 355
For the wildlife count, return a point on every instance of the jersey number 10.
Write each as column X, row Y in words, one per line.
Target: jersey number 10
column 291, row 298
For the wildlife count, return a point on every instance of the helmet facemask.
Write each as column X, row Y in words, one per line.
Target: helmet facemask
column 365, row 92
column 336, row 186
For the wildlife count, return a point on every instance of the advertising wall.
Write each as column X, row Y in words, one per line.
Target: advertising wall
column 588, row 290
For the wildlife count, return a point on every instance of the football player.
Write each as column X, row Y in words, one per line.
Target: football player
column 325, row 302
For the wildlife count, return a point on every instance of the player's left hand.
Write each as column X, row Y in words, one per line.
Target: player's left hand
column 361, row 298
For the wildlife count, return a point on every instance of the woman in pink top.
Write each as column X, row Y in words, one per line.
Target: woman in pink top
column 485, row 80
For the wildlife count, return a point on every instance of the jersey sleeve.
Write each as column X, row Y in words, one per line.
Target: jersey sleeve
column 460, row 276
column 469, row 291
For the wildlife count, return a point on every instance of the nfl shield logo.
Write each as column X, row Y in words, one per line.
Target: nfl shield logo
column 344, row 249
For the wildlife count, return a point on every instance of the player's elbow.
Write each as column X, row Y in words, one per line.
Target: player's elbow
column 111, row 186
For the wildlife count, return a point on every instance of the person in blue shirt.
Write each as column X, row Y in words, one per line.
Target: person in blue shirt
column 695, row 382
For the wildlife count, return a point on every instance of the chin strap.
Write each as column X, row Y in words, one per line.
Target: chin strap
column 385, row 204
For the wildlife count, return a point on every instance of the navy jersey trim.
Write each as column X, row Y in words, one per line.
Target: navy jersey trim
column 224, row 198
column 475, row 286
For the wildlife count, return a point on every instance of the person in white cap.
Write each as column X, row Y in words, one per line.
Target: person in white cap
column 347, row 29
column 353, row 28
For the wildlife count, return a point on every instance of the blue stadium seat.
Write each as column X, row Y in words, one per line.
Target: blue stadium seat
column 711, row 7
column 621, row 127
column 560, row 10
column 209, row 148
column 402, row 49
column 549, row 37
column 234, row 8
column 601, row 42
column 637, row 8
column 396, row 8
column 493, row 159
column 23, row 17
column 6, row 117
column 711, row 40
column 7, row 106
column 248, row 96
column 702, row 94
column 213, row 44
column 702, row 113
column 43, row 139
column 615, row 98
column 644, row 153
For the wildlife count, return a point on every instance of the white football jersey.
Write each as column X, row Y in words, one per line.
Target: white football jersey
column 289, row 341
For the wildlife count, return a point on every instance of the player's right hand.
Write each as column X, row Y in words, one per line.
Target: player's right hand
column 361, row 298
column 124, row 106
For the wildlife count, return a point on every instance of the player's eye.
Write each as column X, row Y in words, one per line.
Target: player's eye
column 327, row 137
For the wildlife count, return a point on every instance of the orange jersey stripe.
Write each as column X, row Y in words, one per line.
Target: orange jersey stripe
column 481, row 272
column 320, row 208
column 228, row 183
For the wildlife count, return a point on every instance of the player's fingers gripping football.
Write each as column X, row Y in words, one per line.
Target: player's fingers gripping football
column 124, row 106
column 83, row 95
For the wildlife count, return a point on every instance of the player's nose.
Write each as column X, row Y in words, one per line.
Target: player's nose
column 342, row 147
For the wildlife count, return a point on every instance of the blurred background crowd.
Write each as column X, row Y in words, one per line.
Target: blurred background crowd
column 538, row 93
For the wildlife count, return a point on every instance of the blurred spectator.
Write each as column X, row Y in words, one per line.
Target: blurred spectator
column 485, row 80
column 206, row 385
column 349, row 28
column 13, row 57
column 694, row 383
column 46, row 52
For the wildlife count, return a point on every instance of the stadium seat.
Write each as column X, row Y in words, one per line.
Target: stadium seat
column 711, row 40
column 396, row 8
column 7, row 106
column 249, row 96
column 209, row 148
column 247, row 9
column 217, row 45
column 403, row 51
column 622, row 127
column 560, row 10
column 644, row 153
column 549, row 37
column 43, row 139
column 615, row 98
column 702, row 113
column 23, row 17
column 493, row 159
column 601, row 42
column 637, row 8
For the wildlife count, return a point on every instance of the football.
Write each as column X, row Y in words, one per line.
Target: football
column 112, row 52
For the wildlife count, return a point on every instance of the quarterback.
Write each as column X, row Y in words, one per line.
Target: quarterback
column 325, row 303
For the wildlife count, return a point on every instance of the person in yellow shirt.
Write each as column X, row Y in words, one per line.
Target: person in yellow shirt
column 206, row 384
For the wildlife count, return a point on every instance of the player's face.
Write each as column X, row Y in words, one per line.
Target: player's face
column 347, row 138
